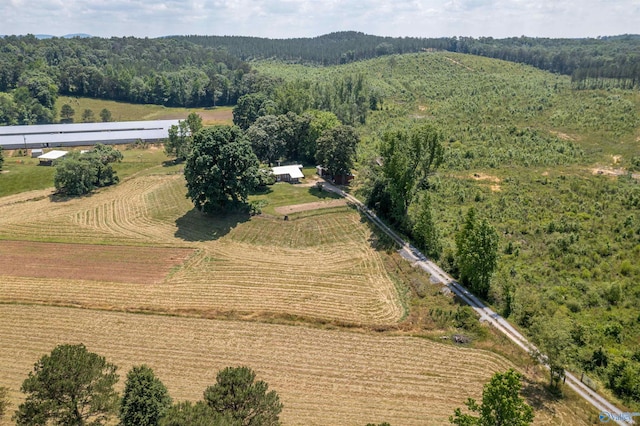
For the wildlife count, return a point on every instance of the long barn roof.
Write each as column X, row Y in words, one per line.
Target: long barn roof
column 37, row 136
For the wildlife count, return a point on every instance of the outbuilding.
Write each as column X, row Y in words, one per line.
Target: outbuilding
column 50, row 158
column 291, row 174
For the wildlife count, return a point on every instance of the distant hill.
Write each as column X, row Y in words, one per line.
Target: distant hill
column 76, row 35
column 588, row 60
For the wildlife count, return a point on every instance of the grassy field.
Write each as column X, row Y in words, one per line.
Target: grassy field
column 121, row 111
column 318, row 267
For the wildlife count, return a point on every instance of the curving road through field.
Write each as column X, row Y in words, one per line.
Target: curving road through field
column 609, row 412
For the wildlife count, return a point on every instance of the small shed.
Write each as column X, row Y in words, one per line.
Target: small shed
column 337, row 179
column 291, row 173
column 51, row 157
column 35, row 153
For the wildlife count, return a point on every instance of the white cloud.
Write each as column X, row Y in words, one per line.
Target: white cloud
column 307, row 18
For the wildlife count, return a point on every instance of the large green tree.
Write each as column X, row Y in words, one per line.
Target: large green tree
column 145, row 399
column 70, row 386
column 66, row 114
column 501, row 404
column 409, row 156
column 237, row 394
column 336, row 149
column 266, row 138
column 424, row 232
column 552, row 335
column 477, row 253
column 319, row 122
column 250, row 107
column 88, row 116
column 74, row 176
column 105, row 115
column 181, row 136
column 221, row 169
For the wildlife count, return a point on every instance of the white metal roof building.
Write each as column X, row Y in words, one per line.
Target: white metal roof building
column 50, row 157
column 54, row 135
column 288, row 173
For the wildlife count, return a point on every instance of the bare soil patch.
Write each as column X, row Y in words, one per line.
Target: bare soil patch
column 613, row 172
column 564, row 136
column 127, row 264
column 310, row 206
column 482, row 176
column 496, row 180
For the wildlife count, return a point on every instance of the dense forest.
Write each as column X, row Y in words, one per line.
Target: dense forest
column 167, row 72
column 592, row 62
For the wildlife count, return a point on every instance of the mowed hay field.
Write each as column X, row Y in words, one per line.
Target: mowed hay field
column 322, row 376
column 320, row 267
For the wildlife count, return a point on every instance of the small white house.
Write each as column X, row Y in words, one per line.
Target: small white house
column 51, row 157
column 292, row 173
column 35, row 153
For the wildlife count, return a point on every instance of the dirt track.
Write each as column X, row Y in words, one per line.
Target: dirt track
column 310, row 206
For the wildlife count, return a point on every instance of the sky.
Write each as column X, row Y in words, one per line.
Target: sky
column 311, row 18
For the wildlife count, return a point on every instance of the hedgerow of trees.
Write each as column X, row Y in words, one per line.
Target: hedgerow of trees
column 69, row 386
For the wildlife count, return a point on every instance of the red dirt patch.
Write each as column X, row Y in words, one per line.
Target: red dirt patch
column 140, row 265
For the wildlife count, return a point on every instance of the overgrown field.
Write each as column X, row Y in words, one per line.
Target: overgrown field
column 322, row 376
column 554, row 170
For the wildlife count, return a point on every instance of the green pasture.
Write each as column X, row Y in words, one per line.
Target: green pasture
column 123, row 111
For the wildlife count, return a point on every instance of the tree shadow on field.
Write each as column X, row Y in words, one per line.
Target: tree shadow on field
column 197, row 226
column 538, row 396
column 62, row 198
column 322, row 194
